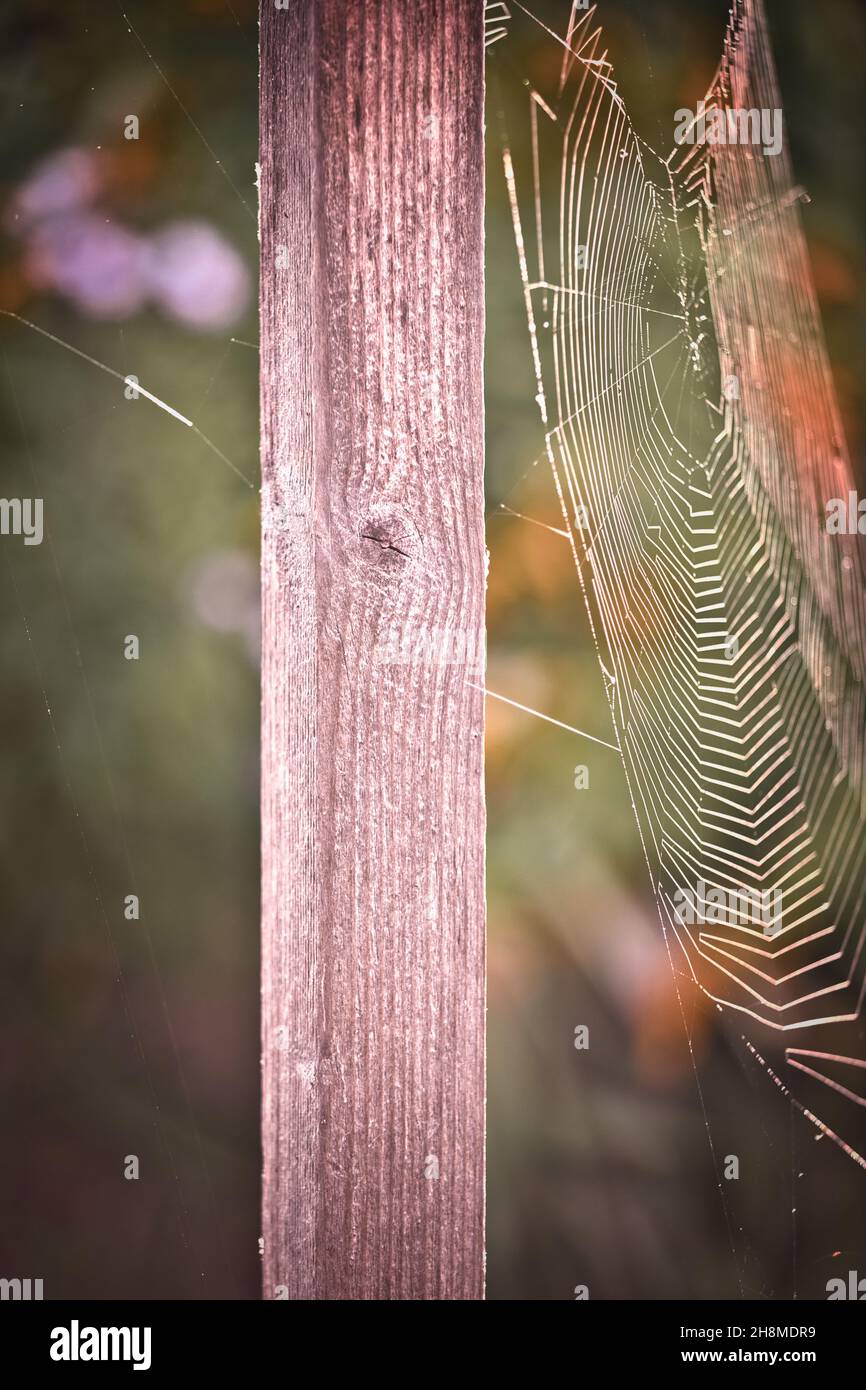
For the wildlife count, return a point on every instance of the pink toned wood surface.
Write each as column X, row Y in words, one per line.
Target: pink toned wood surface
column 373, row 549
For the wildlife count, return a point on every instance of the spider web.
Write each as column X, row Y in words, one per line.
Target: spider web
column 694, row 440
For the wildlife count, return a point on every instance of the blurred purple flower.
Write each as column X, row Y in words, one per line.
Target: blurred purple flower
column 100, row 266
column 196, row 276
column 63, row 181
column 109, row 271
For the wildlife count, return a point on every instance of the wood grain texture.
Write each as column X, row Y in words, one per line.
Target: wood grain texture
column 373, row 548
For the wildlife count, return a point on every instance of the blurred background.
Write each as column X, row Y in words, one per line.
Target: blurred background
column 127, row 217
column 125, row 1037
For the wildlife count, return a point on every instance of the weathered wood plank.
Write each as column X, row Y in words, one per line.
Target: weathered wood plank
column 372, row 799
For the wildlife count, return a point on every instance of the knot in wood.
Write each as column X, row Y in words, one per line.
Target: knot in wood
column 389, row 540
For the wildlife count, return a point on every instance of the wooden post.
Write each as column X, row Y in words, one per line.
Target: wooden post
column 373, row 588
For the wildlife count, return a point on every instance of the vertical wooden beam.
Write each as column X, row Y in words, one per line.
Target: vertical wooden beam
column 373, row 587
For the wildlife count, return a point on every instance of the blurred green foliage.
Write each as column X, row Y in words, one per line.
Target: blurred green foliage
column 121, row 1036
